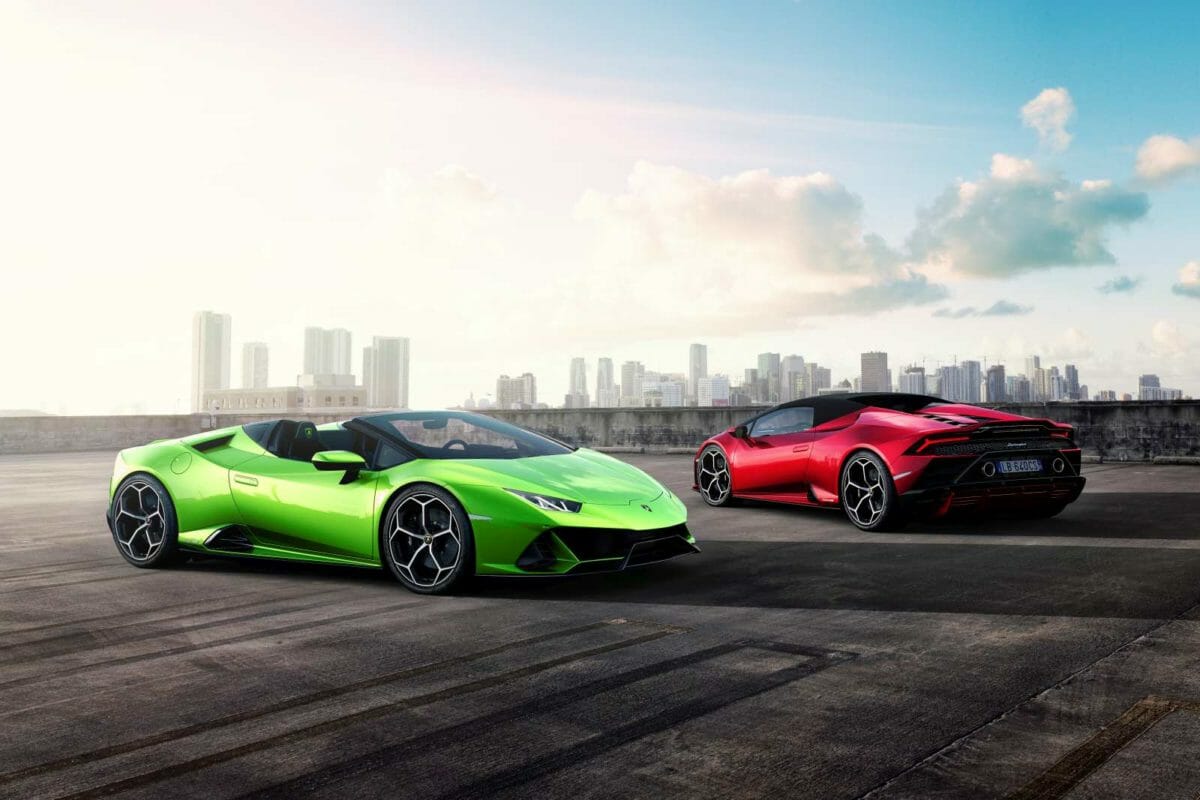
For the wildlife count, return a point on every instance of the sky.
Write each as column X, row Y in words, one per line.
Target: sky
column 514, row 184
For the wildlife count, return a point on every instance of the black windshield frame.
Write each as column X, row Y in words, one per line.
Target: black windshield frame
column 528, row 444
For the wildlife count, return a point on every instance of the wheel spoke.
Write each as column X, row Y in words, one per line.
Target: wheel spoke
column 424, row 542
column 864, row 482
column 140, row 521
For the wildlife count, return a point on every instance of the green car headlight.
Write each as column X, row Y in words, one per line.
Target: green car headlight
column 546, row 503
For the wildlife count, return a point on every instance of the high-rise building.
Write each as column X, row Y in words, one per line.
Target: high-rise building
column 606, row 389
column 769, row 373
column 1056, row 385
column 210, row 354
column 875, row 376
column 1151, row 388
column 713, row 391
column 386, row 364
column 753, row 386
column 254, row 365
column 664, row 391
column 1019, row 388
column 818, row 377
column 631, row 383
column 793, row 383
column 518, row 392
column 327, row 351
column 952, row 383
column 1074, row 391
column 997, row 384
column 972, row 378
column 577, row 397
column 912, row 380
column 368, row 369
column 1106, row 395
column 697, row 369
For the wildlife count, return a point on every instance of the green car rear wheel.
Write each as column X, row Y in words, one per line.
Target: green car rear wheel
column 144, row 526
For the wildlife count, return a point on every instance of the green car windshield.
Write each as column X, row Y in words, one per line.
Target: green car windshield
column 453, row 434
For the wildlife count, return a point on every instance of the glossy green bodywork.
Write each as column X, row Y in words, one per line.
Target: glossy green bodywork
column 293, row 510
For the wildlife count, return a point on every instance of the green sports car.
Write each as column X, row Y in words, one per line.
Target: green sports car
column 434, row 497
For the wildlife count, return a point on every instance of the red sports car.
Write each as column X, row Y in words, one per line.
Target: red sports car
column 887, row 457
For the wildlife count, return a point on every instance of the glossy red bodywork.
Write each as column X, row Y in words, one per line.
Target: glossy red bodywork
column 804, row 468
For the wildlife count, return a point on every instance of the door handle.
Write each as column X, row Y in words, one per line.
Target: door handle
column 800, row 448
column 245, row 480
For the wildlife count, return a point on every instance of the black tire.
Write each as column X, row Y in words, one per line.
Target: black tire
column 144, row 526
column 714, row 478
column 867, row 493
column 425, row 528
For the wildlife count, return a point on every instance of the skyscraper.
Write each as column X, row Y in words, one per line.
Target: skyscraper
column 697, row 369
column 1033, row 365
column 997, row 384
column 577, row 397
column 1073, row 388
column 518, row 392
column 210, row 354
column 768, row 372
column 875, row 377
column 793, row 381
column 327, row 351
column 631, row 383
column 387, row 381
column 912, row 380
column 818, row 377
column 712, row 391
column 952, row 383
column 606, row 388
column 254, row 365
column 972, row 379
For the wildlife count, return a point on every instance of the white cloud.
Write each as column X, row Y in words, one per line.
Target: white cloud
column 1011, row 168
column 1122, row 284
column 1000, row 308
column 1048, row 114
column 1021, row 218
column 1161, row 158
column 751, row 249
column 1189, row 280
column 1167, row 340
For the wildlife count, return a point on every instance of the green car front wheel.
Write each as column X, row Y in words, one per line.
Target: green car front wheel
column 426, row 540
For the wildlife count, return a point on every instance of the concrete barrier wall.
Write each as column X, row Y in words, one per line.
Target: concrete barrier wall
column 1111, row 431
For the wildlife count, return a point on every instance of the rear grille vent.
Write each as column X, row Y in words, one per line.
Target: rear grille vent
column 977, row 447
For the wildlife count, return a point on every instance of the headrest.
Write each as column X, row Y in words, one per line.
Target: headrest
column 306, row 432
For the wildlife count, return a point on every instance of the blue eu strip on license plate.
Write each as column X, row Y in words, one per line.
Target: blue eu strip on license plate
column 1020, row 465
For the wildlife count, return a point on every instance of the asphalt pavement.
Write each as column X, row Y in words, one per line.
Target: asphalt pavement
column 795, row 657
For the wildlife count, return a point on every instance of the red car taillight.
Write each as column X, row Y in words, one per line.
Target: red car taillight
column 931, row 441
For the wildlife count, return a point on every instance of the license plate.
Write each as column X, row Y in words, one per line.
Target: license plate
column 1019, row 465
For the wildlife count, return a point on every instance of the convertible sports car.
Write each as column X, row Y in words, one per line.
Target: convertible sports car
column 433, row 497
column 886, row 457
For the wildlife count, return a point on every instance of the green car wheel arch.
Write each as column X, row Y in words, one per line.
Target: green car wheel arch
column 433, row 497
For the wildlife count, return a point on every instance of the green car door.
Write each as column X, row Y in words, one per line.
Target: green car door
column 292, row 504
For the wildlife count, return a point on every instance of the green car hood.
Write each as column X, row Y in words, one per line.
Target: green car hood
column 583, row 475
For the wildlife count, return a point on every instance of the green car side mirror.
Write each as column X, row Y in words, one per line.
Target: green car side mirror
column 340, row 461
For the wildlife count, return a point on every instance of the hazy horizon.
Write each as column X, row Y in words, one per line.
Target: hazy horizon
column 510, row 187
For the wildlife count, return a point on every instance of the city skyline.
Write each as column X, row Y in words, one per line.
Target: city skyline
column 736, row 190
column 776, row 378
